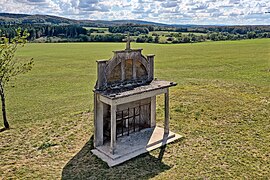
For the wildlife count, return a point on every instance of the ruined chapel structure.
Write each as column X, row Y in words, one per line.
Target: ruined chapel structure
column 125, row 107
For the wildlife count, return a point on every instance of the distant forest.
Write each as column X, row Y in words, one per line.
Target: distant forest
column 43, row 28
column 139, row 33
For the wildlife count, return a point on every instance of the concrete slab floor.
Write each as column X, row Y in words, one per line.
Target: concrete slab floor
column 137, row 143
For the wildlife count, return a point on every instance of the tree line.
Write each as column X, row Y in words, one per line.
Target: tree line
column 37, row 31
column 133, row 30
column 192, row 38
column 65, row 33
column 206, row 29
column 76, row 33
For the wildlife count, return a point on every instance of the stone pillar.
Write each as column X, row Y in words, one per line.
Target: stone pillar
column 113, row 128
column 123, row 70
column 101, row 64
column 153, row 111
column 98, row 121
column 134, row 76
column 167, row 108
column 150, row 59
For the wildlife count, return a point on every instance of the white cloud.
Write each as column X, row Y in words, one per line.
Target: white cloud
column 166, row 11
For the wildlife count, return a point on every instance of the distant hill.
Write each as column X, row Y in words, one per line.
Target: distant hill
column 9, row 18
column 47, row 28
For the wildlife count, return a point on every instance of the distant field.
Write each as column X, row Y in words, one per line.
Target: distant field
column 168, row 32
column 97, row 30
column 197, row 34
column 103, row 31
column 221, row 105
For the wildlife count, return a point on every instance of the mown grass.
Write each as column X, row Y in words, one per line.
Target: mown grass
column 221, row 105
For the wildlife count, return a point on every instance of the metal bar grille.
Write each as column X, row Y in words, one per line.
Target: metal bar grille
column 132, row 119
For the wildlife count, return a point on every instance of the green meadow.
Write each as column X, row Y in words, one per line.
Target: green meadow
column 221, row 106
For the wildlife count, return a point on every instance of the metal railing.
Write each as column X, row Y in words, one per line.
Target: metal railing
column 132, row 119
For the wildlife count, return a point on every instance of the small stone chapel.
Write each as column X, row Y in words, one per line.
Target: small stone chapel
column 125, row 107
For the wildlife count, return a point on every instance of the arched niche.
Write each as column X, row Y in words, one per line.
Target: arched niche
column 125, row 68
column 132, row 66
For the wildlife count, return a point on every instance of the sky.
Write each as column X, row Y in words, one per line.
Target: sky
column 204, row 12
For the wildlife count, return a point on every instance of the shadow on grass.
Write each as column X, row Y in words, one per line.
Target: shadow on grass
column 85, row 165
column 3, row 129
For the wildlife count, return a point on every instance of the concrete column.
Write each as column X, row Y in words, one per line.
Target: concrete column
column 123, row 69
column 153, row 111
column 113, row 128
column 98, row 121
column 101, row 64
column 150, row 59
column 167, row 108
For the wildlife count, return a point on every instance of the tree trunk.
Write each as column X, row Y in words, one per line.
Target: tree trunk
column 3, row 106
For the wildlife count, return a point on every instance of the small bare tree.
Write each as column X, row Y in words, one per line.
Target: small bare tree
column 10, row 66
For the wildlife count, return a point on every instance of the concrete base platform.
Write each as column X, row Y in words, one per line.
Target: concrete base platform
column 137, row 143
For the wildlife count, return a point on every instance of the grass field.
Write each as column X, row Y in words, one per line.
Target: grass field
column 221, row 105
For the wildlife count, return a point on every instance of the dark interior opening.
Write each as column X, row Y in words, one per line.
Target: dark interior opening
column 129, row 120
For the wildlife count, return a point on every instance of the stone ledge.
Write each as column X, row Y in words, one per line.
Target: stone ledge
column 128, row 147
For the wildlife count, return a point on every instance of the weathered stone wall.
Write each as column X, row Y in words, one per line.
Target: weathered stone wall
column 125, row 66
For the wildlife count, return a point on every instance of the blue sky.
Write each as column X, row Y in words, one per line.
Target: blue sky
column 230, row 12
